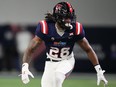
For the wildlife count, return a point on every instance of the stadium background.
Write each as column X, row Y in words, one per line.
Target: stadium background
column 18, row 20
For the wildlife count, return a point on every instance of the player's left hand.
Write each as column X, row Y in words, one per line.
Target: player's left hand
column 25, row 74
column 100, row 75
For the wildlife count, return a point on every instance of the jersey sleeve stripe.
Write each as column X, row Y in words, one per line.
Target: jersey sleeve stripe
column 81, row 28
column 44, row 27
column 78, row 28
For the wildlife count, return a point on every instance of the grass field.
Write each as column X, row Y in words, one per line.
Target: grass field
column 73, row 81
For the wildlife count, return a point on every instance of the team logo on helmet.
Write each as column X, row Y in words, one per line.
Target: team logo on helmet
column 58, row 8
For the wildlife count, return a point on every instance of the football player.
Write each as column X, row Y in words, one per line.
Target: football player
column 59, row 31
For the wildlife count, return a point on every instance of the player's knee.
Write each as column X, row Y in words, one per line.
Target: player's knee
column 59, row 77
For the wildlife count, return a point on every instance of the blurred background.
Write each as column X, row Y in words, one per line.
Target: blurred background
column 18, row 21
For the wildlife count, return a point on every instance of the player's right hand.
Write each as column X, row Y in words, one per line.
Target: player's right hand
column 25, row 73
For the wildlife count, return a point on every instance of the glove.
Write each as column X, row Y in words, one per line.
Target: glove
column 25, row 73
column 100, row 75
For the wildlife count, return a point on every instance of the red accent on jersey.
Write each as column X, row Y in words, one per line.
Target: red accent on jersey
column 44, row 28
column 78, row 28
column 81, row 27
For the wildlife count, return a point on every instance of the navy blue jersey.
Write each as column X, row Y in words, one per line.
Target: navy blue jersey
column 56, row 45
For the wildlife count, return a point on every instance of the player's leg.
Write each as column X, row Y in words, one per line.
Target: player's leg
column 49, row 74
column 59, row 79
column 64, row 69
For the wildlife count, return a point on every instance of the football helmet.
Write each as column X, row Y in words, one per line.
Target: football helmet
column 62, row 11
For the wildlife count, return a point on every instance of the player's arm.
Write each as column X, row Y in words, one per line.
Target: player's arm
column 84, row 44
column 27, row 58
column 31, row 48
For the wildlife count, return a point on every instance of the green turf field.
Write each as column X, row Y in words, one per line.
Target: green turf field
column 70, row 82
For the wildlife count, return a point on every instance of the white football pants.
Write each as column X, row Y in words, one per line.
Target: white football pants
column 55, row 72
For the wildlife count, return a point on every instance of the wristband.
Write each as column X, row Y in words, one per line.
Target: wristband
column 26, row 65
column 97, row 68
